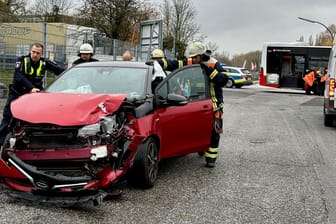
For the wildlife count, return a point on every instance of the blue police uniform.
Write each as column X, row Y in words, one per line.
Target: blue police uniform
column 27, row 75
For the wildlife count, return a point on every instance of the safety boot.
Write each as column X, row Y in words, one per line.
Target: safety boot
column 210, row 162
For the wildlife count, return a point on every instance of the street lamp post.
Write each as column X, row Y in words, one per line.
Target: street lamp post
column 313, row 21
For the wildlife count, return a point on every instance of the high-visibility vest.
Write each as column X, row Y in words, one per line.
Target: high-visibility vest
column 212, row 62
column 323, row 78
column 309, row 78
column 29, row 70
column 189, row 62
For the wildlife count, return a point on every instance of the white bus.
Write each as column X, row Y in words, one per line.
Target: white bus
column 284, row 64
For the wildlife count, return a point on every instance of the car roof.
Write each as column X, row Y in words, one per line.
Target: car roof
column 129, row 64
column 233, row 67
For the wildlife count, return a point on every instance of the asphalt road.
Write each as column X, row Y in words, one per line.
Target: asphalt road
column 276, row 165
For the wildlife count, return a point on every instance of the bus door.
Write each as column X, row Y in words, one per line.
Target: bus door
column 287, row 78
column 300, row 69
column 292, row 71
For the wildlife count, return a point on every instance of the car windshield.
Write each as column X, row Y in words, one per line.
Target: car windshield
column 100, row 80
column 245, row 71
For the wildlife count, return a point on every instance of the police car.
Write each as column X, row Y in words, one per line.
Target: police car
column 237, row 76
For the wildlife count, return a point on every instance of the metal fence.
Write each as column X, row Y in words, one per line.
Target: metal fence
column 61, row 43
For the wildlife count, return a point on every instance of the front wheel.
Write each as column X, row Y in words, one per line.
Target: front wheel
column 146, row 164
column 230, row 83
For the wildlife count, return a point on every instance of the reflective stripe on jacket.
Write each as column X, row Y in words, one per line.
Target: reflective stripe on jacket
column 29, row 70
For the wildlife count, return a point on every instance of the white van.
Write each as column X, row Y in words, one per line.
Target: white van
column 329, row 92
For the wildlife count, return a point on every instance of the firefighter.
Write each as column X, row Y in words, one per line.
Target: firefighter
column 28, row 78
column 211, row 61
column 157, row 54
column 194, row 54
column 313, row 83
column 85, row 54
column 309, row 79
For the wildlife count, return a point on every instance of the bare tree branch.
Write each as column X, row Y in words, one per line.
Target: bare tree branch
column 117, row 19
column 52, row 7
column 179, row 23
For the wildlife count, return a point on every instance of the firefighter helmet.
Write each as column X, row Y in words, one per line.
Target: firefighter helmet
column 86, row 49
column 208, row 53
column 157, row 53
column 195, row 48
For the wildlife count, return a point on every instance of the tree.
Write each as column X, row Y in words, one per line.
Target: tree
column 325, row 38
column 212, row 46
column 311, row 40
column 301, row 39
column 114, row 18
column 179, row 26
column 252, row 57
column 11, row 10
column 223, row 57
column 52, row 10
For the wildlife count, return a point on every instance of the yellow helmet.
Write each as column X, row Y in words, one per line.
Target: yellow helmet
column 157, row 53
column 195, row 48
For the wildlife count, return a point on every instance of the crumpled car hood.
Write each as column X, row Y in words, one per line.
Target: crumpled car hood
column 65, row 109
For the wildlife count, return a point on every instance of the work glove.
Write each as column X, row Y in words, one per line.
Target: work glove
column 149, row 62
column 218, row 124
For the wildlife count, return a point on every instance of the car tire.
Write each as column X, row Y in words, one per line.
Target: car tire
column 146, row 164
column 230, row 83
column 328, row 120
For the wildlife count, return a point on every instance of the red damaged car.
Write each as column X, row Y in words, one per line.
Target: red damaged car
column 99, row 124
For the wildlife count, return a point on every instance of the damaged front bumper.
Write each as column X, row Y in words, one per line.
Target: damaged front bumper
column 27, row 182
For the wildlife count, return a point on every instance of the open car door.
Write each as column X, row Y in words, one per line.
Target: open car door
column 184, row 129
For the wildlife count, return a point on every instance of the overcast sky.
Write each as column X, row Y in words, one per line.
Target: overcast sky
column 240, row 26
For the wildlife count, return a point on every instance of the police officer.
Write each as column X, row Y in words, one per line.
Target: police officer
column 195, row 54
column 85, row 54
column 28, row 78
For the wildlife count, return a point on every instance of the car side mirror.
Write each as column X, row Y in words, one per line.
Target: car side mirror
column 172, row 100
column 176, row 100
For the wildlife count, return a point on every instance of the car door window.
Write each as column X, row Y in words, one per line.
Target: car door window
column 233, row 71
column 189, row 82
